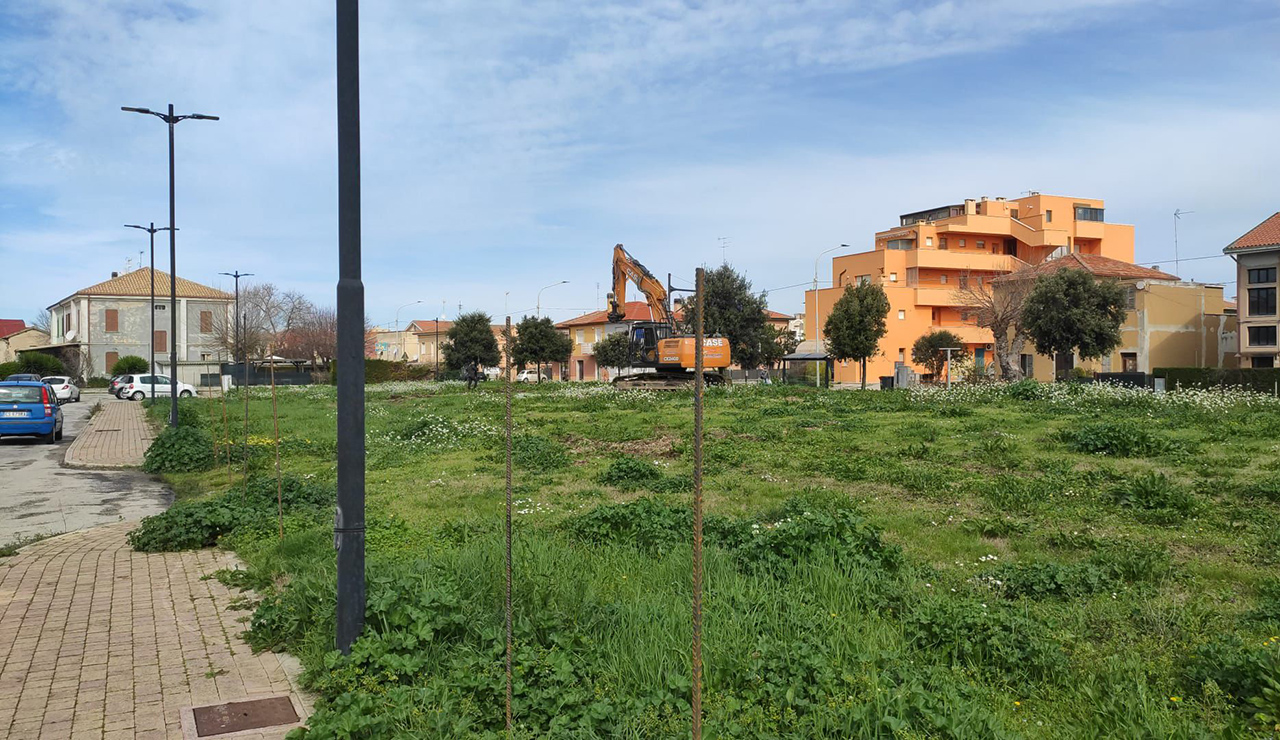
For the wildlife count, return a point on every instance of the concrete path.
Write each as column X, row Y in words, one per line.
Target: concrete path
column 98, row 641
column 38, row 496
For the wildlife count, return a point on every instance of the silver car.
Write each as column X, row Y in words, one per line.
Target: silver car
column 66, row 391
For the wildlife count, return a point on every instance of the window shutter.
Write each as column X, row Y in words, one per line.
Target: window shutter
column 112, row 357
column 206, row 322
column 161, row 341
column 113, row 319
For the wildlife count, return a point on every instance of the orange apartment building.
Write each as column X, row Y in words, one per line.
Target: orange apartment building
column 931, row 254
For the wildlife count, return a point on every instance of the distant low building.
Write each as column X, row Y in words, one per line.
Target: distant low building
column 16, row 336
column 1170, row 322
column 1257, row 256
column 97, row 325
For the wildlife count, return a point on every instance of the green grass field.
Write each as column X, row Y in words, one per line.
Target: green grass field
column 994, row 561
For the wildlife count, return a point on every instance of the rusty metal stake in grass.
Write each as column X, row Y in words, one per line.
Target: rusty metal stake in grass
column 699, row 385
column 245, row 390
column 506, row 374
column 226, row 429
column 275, row 416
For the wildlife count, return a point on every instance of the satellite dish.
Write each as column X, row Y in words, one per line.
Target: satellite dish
column 71, row 335
column 1140, row 285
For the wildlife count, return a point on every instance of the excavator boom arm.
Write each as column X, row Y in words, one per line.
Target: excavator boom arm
column 625, row 269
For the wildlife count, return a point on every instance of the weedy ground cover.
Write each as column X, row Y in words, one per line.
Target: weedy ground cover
column 1026, row 560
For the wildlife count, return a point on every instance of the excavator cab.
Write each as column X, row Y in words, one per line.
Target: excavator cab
column 645, row 336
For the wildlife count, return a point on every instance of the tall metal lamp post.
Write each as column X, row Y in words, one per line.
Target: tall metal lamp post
column 400, row 343
column 539, row 309
column 949, row 350
column 817, row 330
column 236, row 342
column 348, row 526
column 172, row 120
column 151, row 358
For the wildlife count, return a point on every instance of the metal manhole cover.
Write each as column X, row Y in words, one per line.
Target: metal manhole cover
column 221, row 719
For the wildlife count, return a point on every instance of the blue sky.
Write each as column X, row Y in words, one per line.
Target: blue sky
column 509, row 145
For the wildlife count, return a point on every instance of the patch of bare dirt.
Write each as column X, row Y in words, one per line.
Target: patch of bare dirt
column 662, row 445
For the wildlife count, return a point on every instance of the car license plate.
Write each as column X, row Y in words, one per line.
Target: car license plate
column 15, row 414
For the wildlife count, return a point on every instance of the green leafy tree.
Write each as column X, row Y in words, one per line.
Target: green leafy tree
column 856, row 324
column 471, row 339
column 732, row 311
column 40, row 364
column 538, row 341
column 778, row 343
column 614, row 350
column 1072, row 311
column 927, row 351
column 130, row 364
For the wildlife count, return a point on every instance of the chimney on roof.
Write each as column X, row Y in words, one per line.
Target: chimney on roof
column 984, row 199
column 970, row 207
column 115, row 274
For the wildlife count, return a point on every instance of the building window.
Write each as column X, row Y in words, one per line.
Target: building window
column 1129, row 361
column 900, row 244
column 1262, row 336
column 902, row 314
column 902, row 354
column 928, row 241
column 205, row 356
column 863, row 280
column 113, row 319
column 1027, row 364
column 1262, row 301
column 942, row 278
column 580, row 337
column 962, row 242
column 982, row 244
column 1262, row 275
column 1048, row 217
column 942, row 243
column 206, row 322
column 159, row 306
column 964, row 282
column 597, row 333
column 1130, row 297
column 161, row 338
column 112, row 358
column 1084, row 213
column 1263, row 362
column 893, row 277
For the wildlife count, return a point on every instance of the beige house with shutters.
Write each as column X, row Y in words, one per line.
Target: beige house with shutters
column 112, row 319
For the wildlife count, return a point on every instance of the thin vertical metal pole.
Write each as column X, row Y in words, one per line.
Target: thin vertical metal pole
column 510, row 646
column 151, row 360
column 226, row 429
column 173, row 288
column 699, row 383
column 245, row 451
column 349, row 521
column 275, row 416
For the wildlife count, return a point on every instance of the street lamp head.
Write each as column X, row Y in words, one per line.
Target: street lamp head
column 202, row 117
column 135, row 226
column 139, row 110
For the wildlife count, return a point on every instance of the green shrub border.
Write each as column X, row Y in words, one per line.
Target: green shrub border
column 1262, row 380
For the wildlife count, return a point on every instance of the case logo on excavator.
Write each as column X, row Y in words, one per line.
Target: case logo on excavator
column 714, row 342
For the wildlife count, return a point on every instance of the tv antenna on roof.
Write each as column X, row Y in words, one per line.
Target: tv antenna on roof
column 1178, row 213
column 724, row 245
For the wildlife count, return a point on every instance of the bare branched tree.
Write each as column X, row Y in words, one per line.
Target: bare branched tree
column 41, row 321
column 997, row 306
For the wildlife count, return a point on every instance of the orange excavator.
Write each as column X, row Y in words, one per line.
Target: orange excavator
column 668, row 357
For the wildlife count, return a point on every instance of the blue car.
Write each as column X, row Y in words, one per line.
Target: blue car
column 29, row 408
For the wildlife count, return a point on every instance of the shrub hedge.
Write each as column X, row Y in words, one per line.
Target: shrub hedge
column 384, row 371
column 1262, row 380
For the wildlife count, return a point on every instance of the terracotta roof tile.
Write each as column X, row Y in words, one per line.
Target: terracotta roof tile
column 1096, row 264
column 11, row 326
column 635, row 311
column 1265, row 234
column 138, row 283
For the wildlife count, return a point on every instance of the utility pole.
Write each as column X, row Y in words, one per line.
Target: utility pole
column 151, row 359
column 235, row 340
column 172, row 120
column 348, row 526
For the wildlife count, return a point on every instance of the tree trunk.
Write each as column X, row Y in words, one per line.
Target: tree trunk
column 1005, row 352
column 864, row 373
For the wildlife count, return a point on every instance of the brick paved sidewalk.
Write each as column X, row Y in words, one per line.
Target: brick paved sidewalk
column 117, row 437
column 98, row 641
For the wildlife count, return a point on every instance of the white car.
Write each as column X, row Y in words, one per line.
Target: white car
column 530, row 376
column 65, row 390
column 138, row 387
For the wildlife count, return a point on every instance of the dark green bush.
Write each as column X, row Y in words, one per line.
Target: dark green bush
column 1115, row 438
column 130, row 364
column 189, row 525
column 996, row 638
column 1262, row 380
column 384, row 371
column 9, row 368
column 531, row 452
column 1156, row 498
column 182, row 449
column 1027, row 390
column 630, row 473
column 40, row 364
